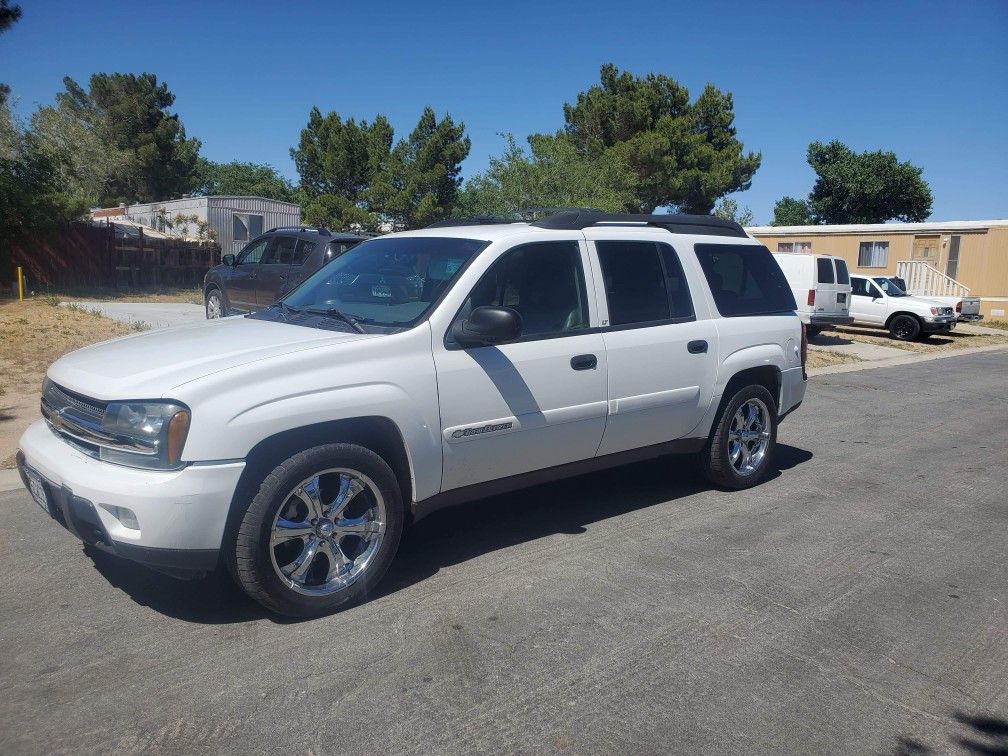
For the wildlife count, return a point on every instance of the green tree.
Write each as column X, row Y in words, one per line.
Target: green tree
column 9, row 14
column 684, row 155
column 338, row 161
column 422, row 183
column 865, row 187
column 788, row 211
column 552, row 174
column 728, row 209
column 130, row 113
column 32, row 202
column 242, row 180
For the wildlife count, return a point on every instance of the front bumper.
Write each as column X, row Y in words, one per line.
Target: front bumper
column 181, row 514
column 938, row 323
column 970, row 318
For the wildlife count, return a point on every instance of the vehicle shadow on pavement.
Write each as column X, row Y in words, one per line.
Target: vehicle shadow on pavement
column 470, row 530
column 449, row 536
column 986, row 735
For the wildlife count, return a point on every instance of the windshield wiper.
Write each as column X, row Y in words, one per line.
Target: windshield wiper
column 286, row 308
column 350, row 320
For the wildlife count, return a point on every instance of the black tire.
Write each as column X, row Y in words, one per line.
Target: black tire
column 904, row 328
column 250, row 553
column 219, row 298
column 715, row 459
column 813, row 331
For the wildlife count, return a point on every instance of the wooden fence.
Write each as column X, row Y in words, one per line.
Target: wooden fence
column 112, row 256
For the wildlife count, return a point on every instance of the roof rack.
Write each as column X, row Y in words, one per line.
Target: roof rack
column 318, row 229
column 475, row 220
column 675, row 223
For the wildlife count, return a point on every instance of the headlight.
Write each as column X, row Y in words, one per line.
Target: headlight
column 148, row 434
column 936, row 310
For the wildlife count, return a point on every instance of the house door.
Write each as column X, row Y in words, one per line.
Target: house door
column 927, row 249
column 952, row 264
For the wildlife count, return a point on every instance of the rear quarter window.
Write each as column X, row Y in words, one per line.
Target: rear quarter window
column 744, row 279
column 842, row 276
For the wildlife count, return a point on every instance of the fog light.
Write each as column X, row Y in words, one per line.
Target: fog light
column 126, row 516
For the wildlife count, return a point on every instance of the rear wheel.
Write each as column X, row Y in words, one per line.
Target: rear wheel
column 904, row 328
column 742, row 444
column 321, row 532
column 214, row 305
column 813, row 331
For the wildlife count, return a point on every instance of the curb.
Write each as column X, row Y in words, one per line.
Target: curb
column 853, row 367
column 10, row 480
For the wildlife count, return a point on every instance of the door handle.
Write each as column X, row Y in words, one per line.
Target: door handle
column 584, row 362
column 697, row 347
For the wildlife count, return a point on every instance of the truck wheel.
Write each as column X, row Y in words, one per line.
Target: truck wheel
column 321, row 532
column 904, row 328
column 813, row 331
column 742, row 444
column 214, row 305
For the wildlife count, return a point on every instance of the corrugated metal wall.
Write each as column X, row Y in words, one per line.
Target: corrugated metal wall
column 221, row 211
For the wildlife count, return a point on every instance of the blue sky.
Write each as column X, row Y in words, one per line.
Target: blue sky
column 926, row 80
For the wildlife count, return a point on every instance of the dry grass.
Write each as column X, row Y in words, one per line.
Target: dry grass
column 819, row 358
column 945, row 342
column 1002, row 324
column 183, row 296
column 32, row 335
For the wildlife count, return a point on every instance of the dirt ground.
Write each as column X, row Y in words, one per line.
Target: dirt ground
column 818, row 358
column 946, row 342
column 184, row 296
column 32, row 335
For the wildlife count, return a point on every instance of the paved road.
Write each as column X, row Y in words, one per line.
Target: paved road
column 154, row 314
column 855, row 603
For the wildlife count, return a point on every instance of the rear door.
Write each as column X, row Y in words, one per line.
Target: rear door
column 274, row 269
column 662, row 360
column 307, row 259
column 831, row 296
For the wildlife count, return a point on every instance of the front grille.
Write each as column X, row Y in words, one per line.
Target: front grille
column 72, row 416
column 58, row 397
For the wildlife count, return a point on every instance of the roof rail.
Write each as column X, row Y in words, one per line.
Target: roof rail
column 319, row 229
column 476, row 220
column 675, row 223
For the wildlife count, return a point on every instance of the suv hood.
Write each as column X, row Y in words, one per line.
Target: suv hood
column 149, row 365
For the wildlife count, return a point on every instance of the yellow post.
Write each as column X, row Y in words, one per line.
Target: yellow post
column 20, row 285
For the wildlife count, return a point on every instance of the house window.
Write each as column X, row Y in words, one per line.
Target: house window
column 246, row 226
column 789, row 247
column 873, row 254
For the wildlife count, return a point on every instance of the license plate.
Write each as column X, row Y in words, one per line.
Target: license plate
column 38, row 491
column 841, row 298
column 382, row 291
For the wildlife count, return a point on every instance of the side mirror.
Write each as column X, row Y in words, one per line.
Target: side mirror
column 488, row 325
column 228, row 260
column 875, row 295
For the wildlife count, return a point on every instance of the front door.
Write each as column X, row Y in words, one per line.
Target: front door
column 535, row 403
column 274, row 268
column 242, row 284
column 868, row 303
column 662, row 360
column 927, row 249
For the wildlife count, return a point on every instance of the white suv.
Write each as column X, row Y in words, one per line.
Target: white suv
column 878, row 301
column 417, row 370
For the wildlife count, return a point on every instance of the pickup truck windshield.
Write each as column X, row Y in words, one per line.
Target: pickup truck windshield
column 386, row 282
column 889, row 286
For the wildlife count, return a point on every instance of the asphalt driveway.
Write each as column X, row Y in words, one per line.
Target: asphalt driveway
column 857, row 602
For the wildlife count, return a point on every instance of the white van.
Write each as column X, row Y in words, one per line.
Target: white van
column 821, row 287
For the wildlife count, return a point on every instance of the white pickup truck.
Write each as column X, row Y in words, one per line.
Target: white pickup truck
column 967, row 309
column 878, row 301
column 419, row 369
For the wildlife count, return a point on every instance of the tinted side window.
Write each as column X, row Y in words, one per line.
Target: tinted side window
column 543, row 282
column 253, row 252
column 335, row 249
column 842, row 277
column 634, row 282
column 859, row 287
column 303, row 251
column 824, row 266
column 280, row 251
column 744, row 279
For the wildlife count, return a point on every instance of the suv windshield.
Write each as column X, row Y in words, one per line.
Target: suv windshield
column 889, row 286
column 386, row 282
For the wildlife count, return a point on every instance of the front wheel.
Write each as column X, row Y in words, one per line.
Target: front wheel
column 904, row 328
column 214, row 305
column 742, row 444
column 321, row 532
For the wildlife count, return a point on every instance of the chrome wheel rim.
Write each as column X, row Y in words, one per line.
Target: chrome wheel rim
column 749, row 437
column 213, row 307
column 327, row 532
